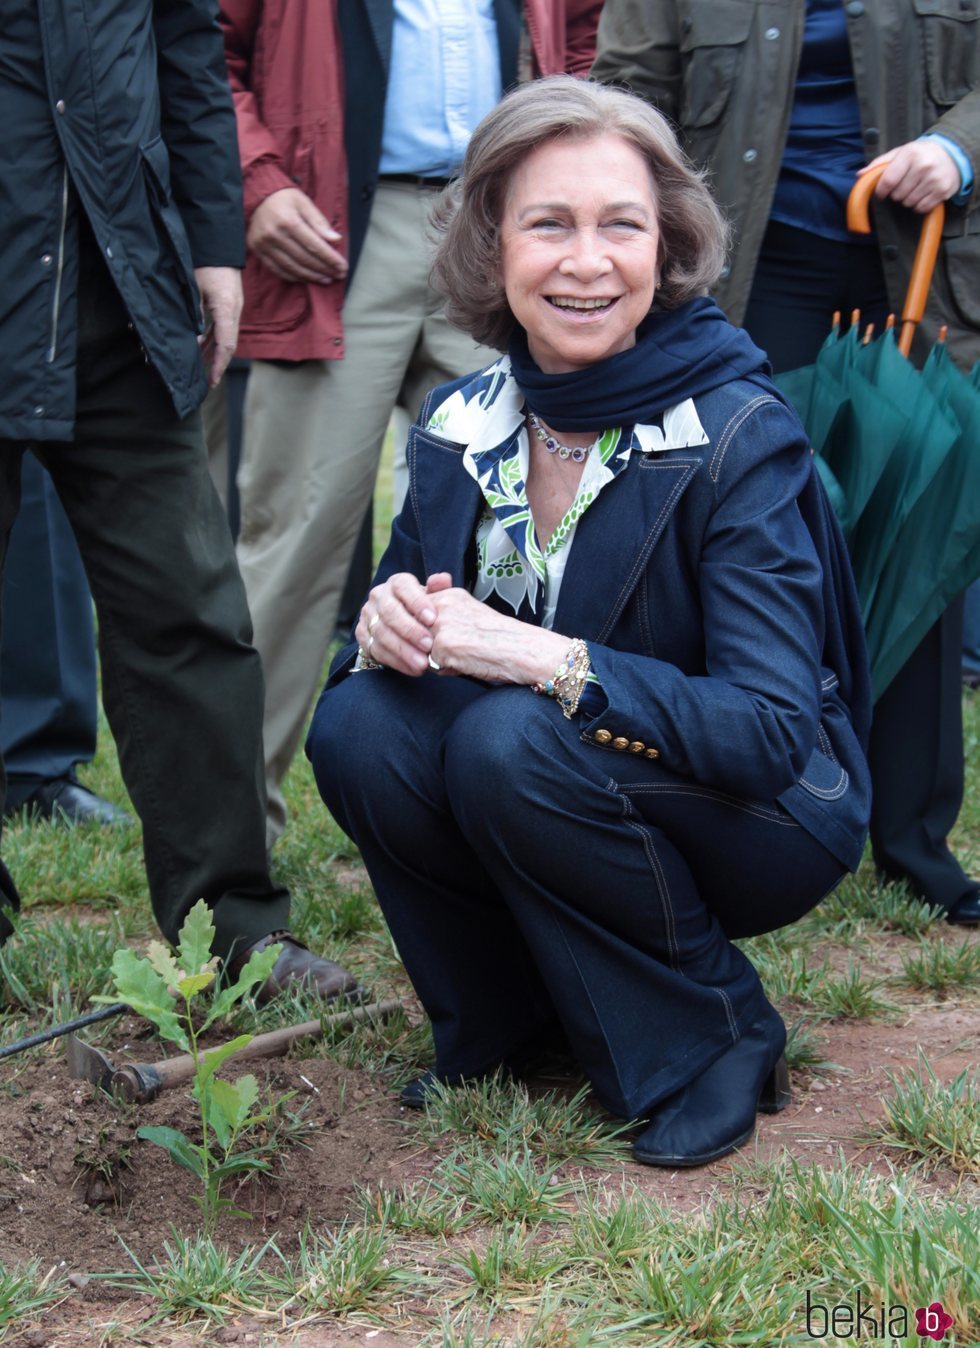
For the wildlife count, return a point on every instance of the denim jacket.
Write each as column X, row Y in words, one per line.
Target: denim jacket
column 713, row 588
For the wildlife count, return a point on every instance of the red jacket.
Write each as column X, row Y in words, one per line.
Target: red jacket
column 286, row 64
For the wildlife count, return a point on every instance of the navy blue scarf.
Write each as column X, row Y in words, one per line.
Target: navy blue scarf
column 679, row 354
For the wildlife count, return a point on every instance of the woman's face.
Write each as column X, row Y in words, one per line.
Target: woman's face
column 579, row 246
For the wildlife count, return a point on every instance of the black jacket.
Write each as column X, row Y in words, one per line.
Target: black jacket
column 125, row 110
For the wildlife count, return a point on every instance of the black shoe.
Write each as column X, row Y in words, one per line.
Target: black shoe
column 9, row 902
column 65, row 801
column 417, row 1092
column 965, row 912
column 297, row 967
column 716, row 1112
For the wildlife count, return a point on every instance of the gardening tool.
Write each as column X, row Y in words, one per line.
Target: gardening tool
column 140, row 1082
column 56, row 1031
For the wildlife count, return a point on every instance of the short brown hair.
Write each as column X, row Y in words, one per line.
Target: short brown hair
column 467, row 268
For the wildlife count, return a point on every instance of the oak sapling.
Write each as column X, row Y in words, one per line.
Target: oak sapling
column 165, row 986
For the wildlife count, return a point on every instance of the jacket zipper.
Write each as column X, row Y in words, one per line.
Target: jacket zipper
column 56, row 305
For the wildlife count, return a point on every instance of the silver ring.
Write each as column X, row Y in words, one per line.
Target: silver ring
column 434, row 665
column 374, row 622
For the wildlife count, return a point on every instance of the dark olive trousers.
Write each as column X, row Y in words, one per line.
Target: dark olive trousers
column 181, row 682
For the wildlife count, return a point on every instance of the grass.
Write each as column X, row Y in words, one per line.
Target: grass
column 524, row 1224
column 27, row 1291
column 934, row 1123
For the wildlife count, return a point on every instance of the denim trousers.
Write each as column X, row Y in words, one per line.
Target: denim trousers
column 529, row 878
column 181, row 682
column 48, row 675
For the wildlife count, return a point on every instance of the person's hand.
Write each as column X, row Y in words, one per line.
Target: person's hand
column 221, row 301
column 395, row 622
column 295, row 239
column 919, row 175
column 472, row 639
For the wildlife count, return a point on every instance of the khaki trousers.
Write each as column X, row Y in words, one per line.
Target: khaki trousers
column 312, row 441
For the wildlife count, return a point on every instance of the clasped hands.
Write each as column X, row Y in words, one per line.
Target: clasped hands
column 412, row 628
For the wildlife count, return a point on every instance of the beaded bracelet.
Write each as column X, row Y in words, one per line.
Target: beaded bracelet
column 567, row 684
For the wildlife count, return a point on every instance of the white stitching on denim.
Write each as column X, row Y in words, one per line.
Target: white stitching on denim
column 661, row 880
column 732, row 1022
column 728, row 434
column 595, row 1010
column 639, row 565
column 827, row 792
column 747, row 807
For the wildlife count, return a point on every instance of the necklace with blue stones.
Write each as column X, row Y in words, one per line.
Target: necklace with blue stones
column 577, row 453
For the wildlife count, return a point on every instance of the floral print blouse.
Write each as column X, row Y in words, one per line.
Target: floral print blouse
column 490, row 421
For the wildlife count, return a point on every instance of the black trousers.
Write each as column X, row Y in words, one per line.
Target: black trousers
column 916, row 753
column 182, row 685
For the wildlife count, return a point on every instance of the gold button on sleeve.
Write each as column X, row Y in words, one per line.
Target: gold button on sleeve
column 651, row 753
column 620, row 742
column 637, row 747
column 603, row 736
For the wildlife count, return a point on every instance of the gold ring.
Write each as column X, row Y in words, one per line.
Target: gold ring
column 374, row 622
column 370, row 644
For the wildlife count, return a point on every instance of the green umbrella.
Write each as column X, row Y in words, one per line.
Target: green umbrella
column 913, row 458
column 894, row 448
column 936, row 551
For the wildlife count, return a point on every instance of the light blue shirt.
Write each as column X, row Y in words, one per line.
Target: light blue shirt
column 444, row 77
column 961, row 161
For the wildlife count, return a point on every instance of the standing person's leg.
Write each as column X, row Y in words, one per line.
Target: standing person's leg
column 182, row 685
column 48, row 683
column 917, row 770
column 313, row 436
column 971, row 636
column 443, row 353
column 11, row 459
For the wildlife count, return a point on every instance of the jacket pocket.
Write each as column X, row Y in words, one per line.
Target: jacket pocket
column 713, row 36
column 824, row 777
column 173, row 238
column 271, row 304
column 960, row 258
column 951, row 45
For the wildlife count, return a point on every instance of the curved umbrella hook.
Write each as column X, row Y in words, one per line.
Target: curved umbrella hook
column 930, row 237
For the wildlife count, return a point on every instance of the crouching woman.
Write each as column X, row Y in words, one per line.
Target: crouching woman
column 607, row 704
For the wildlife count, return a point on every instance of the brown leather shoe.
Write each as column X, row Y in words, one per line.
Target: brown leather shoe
column 297, row 965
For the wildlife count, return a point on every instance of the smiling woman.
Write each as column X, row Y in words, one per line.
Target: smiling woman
column 620, row 515
column 579, row 250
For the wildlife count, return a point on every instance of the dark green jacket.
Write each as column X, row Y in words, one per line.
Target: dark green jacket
column 123, row 106
column 724, row 71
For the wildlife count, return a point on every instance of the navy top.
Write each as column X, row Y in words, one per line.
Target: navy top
column 824, row 147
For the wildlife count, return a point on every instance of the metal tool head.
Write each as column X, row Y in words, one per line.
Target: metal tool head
column 88, row 1063
column 133, row 1082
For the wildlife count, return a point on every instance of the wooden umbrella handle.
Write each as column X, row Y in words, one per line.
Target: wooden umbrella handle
column 930, row 237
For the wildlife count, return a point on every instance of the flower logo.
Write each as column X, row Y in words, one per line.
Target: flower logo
column 932, row 1322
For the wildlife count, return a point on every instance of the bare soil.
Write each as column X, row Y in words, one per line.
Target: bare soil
column 76, row 1183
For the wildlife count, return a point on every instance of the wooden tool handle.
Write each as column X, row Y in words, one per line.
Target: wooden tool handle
column 143, row 1081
